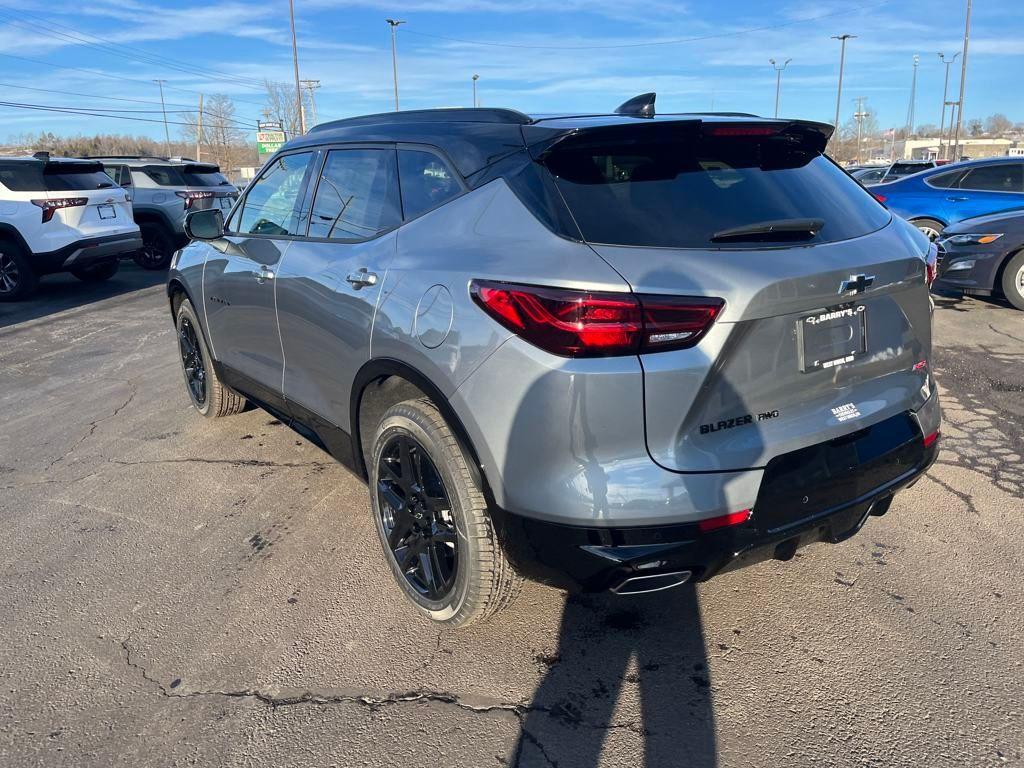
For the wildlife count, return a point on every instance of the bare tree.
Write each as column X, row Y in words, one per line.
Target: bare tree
column 975, row 127
column 281, row 106
column 927, row 130
column 997, row 124
column 223, row 138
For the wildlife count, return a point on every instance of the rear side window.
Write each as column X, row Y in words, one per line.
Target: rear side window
column 53, row 177
column 164, row 175
column 905, row 169
column 1004, row 177
column 357, row 195
column 203, row 176
column 270, row 206
column 680, row 193
column 944, row 180
column 120, row 174
column 427, row 181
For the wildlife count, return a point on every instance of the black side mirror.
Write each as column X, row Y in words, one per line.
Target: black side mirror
column 205, row 225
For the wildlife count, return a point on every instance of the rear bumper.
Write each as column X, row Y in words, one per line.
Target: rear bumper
column 82, row 253
column 824, row 493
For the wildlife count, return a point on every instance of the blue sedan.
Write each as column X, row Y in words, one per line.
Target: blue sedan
column 941, row 196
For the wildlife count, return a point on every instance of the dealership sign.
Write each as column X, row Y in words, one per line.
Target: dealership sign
column 268, row 142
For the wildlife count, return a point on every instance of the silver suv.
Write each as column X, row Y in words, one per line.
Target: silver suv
column 609, row 351
column 163, row 190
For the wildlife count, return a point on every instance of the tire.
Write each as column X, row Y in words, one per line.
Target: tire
column 1013, row 280
column 448, row 524
column 208, row 394
column 18, row 279
column 157, row 247
column 930, row 227
column 97, row 273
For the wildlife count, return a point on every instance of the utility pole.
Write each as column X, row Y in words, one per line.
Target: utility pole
column 295, row 60
column 913, row 98
column 475, row 78
column 199, row 131
column 311, row 86
column 963, row 78
column 945, row 103
column 842, row 62
column 394, row 55
column 778, row 81
column 167, row 131
column 859, row 116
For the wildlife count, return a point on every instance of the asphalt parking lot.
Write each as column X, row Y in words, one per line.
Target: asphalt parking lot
column 176, row 591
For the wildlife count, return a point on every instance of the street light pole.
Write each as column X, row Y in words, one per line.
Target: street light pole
column 300, row 114
column 945, row 95
column 913, row 98
column 167, row 131
column 963, row 78
column 778, row 81
column 842, row 61
column 475, row 78
column 394, row 56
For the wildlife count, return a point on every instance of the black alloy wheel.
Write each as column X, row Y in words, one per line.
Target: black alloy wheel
column 10, row 275
column 416, row 514
column 192, row 361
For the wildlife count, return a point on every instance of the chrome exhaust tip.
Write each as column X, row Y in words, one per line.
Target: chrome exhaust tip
column 655, row 582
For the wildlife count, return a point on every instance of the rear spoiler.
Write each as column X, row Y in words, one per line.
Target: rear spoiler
column 542, row 140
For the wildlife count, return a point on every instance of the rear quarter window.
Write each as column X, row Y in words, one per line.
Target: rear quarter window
column 53, row 177
column 679, row 194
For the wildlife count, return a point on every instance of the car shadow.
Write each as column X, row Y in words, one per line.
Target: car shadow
column 647, row 650
column 61, row 292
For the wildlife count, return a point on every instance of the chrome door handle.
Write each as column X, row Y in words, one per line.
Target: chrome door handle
column 361, row 278
column 264, row 274
column 957, row 199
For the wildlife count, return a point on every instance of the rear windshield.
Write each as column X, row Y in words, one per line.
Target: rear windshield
column 53, row 177
column 679, row 194
column 186, row 175
column 905, row 169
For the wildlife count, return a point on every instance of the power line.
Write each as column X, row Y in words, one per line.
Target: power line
column 99, row 73
column 76, row 111
column 678, row 41
column 52, row 29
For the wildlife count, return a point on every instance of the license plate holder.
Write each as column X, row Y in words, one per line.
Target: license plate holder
column 833, row 337
column 106, row 211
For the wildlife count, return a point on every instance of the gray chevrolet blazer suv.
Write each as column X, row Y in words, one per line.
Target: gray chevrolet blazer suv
column 607, row 352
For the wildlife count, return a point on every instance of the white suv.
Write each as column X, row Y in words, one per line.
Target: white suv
column 60, row 215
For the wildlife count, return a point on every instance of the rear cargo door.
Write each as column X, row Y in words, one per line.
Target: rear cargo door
column 826, row 314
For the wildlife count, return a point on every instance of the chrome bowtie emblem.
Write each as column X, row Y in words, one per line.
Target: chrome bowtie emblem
column 856, row 284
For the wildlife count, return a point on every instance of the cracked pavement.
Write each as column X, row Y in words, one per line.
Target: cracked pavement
column 176, row 591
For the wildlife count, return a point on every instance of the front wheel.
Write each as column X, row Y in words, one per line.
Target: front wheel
column 433, row 521
column 1013, row 281
column 208, row 394
column 929, row 227
column 97, row 273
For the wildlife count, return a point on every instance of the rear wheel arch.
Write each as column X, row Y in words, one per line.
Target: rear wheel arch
column 11, row 233
column 384, row 382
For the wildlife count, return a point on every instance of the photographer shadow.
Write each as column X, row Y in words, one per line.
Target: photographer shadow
column 625, row 669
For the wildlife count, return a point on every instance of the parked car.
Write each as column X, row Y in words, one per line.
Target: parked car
column 162, row 191
column 59, row 215
column 902, row 168
column 868, row 176
column 609, row 351
column 984, row 255
column 934, row 199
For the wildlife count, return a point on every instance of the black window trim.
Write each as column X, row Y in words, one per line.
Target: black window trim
column 967, row 172
column 302, row 200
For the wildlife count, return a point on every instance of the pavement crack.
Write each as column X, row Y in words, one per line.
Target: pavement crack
column 232, row 462
column 1004, row 333
column 966, row 498
column 94, row 424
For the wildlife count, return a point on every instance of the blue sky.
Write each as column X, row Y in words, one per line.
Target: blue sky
column 542, row 56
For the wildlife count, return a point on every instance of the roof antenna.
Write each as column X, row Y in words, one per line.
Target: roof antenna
column 638, row 106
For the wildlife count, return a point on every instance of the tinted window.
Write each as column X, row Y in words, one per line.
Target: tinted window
column 270, row 205
column 905, row 169
column 164, row 175
column 679, row 193
column 1005, row 177
column 357, row 195
column 426, row 181
column 204, row 176
column 944, row 180
column 53, row 177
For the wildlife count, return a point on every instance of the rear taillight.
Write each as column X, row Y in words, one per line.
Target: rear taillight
column 574, row 323
column 49, row 206
column 930, row 440
column 878, row 197
column 724, row 521
column 931, row 264
column 191, row 197
column 740, row 129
